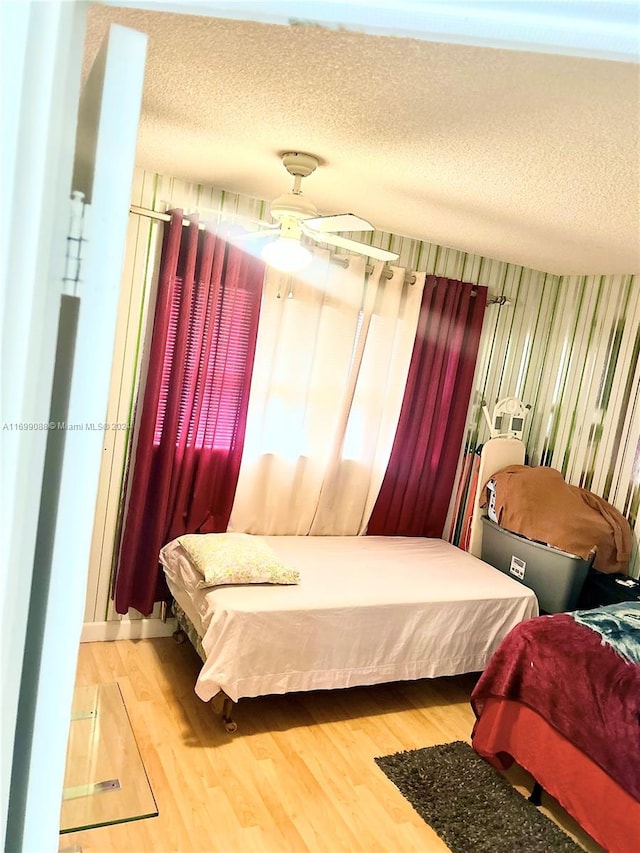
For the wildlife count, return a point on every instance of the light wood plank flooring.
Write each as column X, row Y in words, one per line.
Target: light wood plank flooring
column 297, row 776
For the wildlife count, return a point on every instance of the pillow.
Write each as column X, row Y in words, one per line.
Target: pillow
column 235, row 558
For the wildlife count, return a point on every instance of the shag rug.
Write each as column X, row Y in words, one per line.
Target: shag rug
column 469, row 804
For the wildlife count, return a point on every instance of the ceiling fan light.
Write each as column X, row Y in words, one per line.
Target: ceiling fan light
column 287, row 255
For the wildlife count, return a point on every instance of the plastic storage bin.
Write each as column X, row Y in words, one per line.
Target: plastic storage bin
column 555, row 576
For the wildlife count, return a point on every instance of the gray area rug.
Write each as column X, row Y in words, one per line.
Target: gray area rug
column 469, row 804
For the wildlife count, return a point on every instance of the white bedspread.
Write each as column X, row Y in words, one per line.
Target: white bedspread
column 367, row 610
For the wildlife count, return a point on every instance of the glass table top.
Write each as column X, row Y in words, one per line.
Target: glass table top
column 105, row 780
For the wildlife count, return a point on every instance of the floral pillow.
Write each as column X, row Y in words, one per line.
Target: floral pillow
column 235, row 558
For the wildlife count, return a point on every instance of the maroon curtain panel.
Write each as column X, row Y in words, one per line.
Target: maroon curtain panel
column 186, row 455
column 418, row 483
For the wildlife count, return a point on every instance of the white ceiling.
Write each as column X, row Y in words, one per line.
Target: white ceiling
column 531, row 158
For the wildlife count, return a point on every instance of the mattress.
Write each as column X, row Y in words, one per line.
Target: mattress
column 367, row 610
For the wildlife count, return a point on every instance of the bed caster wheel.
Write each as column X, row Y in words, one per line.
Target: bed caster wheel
column 179, row 636
column 227, row 709
column 536, row 794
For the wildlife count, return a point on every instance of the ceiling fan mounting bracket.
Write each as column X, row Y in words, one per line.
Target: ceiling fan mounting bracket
column 298, row 164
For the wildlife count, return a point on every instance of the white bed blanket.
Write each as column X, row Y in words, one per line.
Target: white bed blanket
column 367, row 610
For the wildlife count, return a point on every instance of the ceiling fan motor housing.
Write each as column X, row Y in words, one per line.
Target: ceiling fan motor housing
column 292, row 205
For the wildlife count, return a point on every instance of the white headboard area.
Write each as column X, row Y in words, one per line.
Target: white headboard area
column 496, row 453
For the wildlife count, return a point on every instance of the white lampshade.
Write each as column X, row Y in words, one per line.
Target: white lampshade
column 287, row 255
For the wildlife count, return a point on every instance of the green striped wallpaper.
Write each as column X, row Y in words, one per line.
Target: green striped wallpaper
column 567, row 346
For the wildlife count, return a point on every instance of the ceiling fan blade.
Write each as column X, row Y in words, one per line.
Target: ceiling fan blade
column 264, row 225
column 254, row 235
column 210, row 217
column 339, row 222
column 354, row 246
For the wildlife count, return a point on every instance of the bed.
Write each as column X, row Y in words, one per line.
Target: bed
column 561, row 697
column 365, row 610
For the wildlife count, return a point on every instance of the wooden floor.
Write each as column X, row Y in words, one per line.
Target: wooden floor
column 298, row 775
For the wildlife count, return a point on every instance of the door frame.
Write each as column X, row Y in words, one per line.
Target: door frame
column 50, row 481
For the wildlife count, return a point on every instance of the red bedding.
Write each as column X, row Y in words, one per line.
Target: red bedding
column 584, row 689
column 509, row 730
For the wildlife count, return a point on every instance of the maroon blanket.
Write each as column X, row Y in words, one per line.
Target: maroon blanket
column 584, row 689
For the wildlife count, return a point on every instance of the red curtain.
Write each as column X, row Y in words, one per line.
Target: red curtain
column 186, row 459
column 418, row 483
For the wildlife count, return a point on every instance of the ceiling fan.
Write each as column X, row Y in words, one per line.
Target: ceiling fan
column 297, row 217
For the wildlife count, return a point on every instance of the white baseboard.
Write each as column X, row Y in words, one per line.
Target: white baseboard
column 127, row 629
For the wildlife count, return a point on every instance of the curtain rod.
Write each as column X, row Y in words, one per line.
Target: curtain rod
column 337, row 259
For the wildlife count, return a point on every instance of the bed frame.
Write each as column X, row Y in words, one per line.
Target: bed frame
column 186, row 629
column 584, row 758
column 510, row 731
column 496, row 453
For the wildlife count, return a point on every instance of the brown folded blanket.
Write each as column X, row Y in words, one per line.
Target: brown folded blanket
column 539, row 504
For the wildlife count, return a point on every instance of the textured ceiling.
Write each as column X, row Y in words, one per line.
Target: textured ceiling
column 529, row 158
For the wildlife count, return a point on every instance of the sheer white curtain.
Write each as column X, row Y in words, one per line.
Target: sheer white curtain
column 332, row 357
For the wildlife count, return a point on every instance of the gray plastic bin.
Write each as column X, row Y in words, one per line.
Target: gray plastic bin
column 555, row 576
